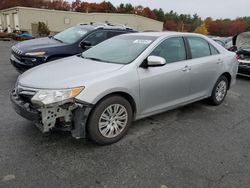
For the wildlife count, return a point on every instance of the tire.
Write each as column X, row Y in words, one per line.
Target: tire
column 104, row 125
column 219, row 91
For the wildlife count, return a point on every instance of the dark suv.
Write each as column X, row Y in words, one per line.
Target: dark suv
column 71, row 41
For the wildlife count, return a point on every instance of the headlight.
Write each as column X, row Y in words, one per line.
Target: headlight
column 45, row 97
column 36, row 54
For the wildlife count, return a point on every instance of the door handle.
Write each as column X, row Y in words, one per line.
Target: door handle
column 186, row 68
column 219, row 61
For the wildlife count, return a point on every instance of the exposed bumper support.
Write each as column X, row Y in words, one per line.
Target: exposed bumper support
column 50, row 115
column 81, row 115
column 72, row 117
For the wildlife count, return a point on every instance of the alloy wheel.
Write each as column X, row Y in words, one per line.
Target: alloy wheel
column 113, row 120
column 221, row 90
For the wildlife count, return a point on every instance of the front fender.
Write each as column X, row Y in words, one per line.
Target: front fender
column 127, row 82
column 93, row 99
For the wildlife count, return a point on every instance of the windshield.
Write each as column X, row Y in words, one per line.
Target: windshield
column 121, row 50
column 71, row 35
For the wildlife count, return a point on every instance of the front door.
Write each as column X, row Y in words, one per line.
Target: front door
column 168, row 85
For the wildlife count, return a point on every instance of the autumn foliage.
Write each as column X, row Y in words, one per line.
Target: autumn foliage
column 227, row 27
column 172, row 20
column 202, row 29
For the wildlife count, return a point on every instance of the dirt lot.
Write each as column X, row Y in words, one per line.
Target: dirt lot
column 194, row 146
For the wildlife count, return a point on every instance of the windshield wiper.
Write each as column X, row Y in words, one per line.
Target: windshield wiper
column 92, row 58
column 52, row 37
column 96, row 59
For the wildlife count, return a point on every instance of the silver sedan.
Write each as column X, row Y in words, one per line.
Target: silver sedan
column 101, row 91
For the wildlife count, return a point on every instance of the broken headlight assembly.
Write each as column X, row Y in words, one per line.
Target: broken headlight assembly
column 61, row 96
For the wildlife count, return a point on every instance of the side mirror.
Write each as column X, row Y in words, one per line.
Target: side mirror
column 155, row 61
column 85, row 45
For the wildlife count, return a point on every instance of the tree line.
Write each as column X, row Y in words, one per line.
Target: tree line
column 172, row 20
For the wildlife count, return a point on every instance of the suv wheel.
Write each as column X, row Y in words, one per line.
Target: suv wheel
column 110, row 120
column 219, row 91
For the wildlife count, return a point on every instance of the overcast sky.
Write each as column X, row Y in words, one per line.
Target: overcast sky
column 204, row 8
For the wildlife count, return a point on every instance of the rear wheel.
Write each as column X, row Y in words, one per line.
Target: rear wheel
column 110, row 120
column 219, row 91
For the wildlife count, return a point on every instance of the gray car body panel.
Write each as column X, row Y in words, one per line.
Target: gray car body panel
column 154, row 90
column 71, row 72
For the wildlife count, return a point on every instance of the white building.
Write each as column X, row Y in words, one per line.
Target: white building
column 23, row 18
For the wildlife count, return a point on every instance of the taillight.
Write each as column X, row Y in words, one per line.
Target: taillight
column 237, row 56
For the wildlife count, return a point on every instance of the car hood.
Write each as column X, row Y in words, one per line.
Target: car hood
column 38, row 44
column 243, row 41
column 69, row 72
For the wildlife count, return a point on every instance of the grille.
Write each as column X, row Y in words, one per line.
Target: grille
column 16, row 50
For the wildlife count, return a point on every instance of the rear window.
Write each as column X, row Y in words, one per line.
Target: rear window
column 199, row 47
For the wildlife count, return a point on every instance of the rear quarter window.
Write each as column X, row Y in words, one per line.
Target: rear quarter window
column 214, row 51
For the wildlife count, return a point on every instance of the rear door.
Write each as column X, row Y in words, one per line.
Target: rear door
column 205, row 66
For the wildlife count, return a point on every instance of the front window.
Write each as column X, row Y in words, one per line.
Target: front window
column 122, row 49
column 96, row 37
column 71, row 35
column 172, row 50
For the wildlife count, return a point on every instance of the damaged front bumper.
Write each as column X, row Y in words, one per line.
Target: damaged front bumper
column 71, row 116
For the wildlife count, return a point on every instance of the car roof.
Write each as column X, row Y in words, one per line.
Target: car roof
column 94, row 26
column 166, row 34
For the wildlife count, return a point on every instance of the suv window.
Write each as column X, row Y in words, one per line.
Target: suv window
column 199, row 47
column 172, row 49
column 114, row 33
column 96, row 37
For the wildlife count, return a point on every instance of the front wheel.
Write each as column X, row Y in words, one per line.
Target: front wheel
column 110, row 120
column 219, row 91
